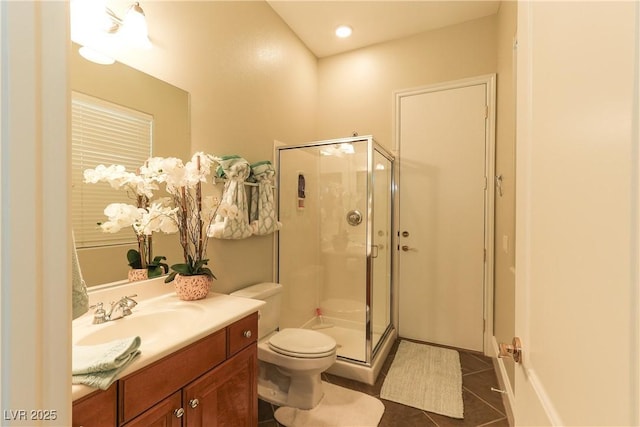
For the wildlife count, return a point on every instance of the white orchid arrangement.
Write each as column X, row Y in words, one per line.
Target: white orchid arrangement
column 195, row 213
column 145, row 217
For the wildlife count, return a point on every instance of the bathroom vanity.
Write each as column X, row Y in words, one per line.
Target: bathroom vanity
column 206, row 379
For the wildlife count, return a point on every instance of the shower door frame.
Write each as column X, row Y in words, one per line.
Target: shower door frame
column 372, row 145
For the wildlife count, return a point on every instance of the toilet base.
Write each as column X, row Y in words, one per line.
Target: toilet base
column 276, row 386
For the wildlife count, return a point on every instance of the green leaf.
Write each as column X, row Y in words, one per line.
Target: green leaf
column 199, row 264
column 208, row 272
column 170, row 277
column 156, row 260
column 184, row 269
column 154, row 271
column 133, row 256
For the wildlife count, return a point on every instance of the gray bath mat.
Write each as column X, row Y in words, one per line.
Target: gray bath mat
column 427, row 378
column 340, row 407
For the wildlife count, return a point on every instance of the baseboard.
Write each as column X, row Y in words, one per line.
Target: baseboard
column 508, row 397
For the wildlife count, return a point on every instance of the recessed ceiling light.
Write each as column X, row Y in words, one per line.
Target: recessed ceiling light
column 343, row 31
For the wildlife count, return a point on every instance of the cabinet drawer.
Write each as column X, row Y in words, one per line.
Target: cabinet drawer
column 242, row 333
column 144, row 388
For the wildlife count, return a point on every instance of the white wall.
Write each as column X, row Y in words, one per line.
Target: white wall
column 577, row 211
column 35, row 304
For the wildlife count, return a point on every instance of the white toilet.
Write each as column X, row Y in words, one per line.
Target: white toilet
column 290, row 360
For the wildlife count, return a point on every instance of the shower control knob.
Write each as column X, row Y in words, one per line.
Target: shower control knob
column 407, row 248
column 405, row 234
column 354, row 217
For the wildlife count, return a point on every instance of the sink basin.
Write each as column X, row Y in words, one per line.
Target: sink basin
column 149, row 326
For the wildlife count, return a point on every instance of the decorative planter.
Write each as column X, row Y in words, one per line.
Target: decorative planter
column 190, row 288
column 137, row 274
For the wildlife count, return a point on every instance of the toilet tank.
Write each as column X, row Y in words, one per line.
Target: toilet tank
column 271, row 294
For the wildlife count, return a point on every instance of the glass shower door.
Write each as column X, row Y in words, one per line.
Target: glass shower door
column 381, row 240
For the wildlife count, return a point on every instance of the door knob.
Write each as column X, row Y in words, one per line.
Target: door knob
column 194, row 403
column 178, row 412
column 513, row 350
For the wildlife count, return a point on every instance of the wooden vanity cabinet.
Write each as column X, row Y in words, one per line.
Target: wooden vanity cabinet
column 210, row 383
column 213, row 383
column 99, row 409
column 226, row 396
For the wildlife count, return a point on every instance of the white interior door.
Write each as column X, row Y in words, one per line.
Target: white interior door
column 443, row 146
column 577, row 221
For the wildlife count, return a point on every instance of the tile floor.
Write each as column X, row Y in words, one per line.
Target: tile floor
column 482, row 407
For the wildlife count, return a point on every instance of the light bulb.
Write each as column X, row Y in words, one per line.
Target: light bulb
column 343, row 31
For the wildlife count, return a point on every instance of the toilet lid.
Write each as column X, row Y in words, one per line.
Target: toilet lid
column 302, row 343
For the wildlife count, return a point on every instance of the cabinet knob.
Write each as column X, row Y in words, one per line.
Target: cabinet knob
column 194, row 403
column 178, row 412
column 247, row 333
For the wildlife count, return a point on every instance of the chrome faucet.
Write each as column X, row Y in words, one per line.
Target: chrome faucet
column 118, row 309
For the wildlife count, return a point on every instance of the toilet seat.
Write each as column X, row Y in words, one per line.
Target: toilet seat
column 303, row 343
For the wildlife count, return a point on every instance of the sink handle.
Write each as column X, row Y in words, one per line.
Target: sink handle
column 99, row 316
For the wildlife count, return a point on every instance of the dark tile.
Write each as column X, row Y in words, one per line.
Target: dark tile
column 397, row 415
column 265, row 411
column 503, row 422
column 480, row 384
column 472, row 363
column 476, row 413
column 371, row 390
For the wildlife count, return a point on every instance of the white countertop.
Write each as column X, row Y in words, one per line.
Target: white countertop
column 192, row 320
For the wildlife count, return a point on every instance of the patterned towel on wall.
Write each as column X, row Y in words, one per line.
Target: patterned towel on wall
column 263, row 209
column 233, row 221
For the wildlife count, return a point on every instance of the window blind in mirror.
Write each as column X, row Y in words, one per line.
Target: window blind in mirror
column 103, row 133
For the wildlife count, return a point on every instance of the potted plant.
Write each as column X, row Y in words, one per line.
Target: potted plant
column 145, row 217
column 194, row 218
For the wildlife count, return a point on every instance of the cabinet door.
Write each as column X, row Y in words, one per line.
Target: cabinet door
column 227, row 396
column 164, row 414
column 96, row 410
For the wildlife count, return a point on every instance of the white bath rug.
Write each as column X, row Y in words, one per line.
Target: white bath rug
column 427, row 378
column 340, row 407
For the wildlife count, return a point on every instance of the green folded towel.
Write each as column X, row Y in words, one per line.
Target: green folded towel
column 99, row 365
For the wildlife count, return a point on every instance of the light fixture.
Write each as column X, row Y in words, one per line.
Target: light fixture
column 102, row 33
column 94, row 56
column 343, row 31
column 134, row 27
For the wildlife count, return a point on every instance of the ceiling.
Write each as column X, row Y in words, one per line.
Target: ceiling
column 372, row 21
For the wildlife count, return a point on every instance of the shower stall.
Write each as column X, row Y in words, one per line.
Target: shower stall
column 335, row 201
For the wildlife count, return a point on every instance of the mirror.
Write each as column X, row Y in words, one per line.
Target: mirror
column 169, row 106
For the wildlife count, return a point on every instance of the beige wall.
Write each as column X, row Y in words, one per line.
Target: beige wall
column 578, row 218
column 504, row 273
column 169, row 107
column 251, row 82
column 356, row 88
